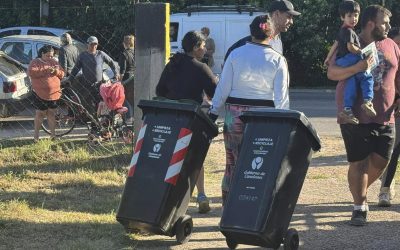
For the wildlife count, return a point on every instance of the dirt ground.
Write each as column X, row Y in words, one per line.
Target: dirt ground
column 321, row 215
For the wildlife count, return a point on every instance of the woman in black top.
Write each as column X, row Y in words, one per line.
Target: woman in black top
column 126, row 63
column 185, row 77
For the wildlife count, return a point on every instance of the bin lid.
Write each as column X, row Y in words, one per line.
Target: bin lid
column 288, row 114
column 182, row 105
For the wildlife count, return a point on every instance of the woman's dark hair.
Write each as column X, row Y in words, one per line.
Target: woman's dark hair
column 261, row 27
column 395, row 31
column 192, row 39
column 45, row 49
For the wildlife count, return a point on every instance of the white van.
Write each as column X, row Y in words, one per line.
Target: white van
column 227, row 25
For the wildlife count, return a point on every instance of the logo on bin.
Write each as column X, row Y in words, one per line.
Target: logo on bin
column 156, row 148
column 136, row 152
column 257, row 163
column 181, row 147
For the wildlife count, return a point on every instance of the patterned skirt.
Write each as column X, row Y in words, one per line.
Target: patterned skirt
column 233, row 133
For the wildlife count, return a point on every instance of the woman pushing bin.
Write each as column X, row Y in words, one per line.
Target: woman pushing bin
column 254, row 75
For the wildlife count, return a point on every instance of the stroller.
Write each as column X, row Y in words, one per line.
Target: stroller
column 111, row 114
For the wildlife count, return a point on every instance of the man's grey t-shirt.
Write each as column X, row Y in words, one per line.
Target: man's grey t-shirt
column 92, row 66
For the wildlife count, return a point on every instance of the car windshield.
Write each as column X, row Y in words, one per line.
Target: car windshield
column 8, row 67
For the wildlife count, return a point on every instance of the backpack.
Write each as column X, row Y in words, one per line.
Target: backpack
column 113, row 94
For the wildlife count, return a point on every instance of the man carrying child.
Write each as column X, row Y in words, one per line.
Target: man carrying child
column 369, row 144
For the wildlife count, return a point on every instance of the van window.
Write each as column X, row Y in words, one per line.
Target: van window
column 40, row 32
column 173, row 32
column 22, row 52
column 10, row 33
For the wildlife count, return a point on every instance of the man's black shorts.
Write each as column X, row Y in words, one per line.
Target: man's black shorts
column 363, row 139
column 41, row 104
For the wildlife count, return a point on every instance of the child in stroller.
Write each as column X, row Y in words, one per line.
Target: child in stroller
column 110, row 111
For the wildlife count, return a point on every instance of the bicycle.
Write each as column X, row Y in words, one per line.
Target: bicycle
column 105, row 128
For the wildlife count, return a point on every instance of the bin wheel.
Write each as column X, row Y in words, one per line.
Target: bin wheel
column 183, row 230
column 291, row 241
column 232, row 244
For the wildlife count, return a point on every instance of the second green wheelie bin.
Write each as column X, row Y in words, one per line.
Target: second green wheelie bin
column 274, row 156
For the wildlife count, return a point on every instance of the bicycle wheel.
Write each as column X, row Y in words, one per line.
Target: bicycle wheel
column 65, row 119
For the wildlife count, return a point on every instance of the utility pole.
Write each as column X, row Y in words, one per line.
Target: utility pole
column 44, row 12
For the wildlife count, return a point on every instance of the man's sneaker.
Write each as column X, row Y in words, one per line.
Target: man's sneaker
column 384, row 197
column 348, row 117
column 368, row 108
column 204, row 203
column 359, row 218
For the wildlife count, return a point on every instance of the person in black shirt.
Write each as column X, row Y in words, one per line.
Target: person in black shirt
column 185, row 77
column 126, row 62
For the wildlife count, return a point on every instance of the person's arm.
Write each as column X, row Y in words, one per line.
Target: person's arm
column 113, row 65
column 224, row 87
column 354, row 49
column 122, row 64
column 337, row 73
column 62, row 60
column 209, row 80
column 36, row 70
column 59, row 71
column 281, row 86
column 330, row 53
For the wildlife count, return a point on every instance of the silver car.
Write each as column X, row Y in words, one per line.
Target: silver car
column 24, row 48
column 14, row 86
column 32, row 30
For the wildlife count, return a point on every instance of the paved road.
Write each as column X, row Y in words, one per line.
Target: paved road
column 317, row 105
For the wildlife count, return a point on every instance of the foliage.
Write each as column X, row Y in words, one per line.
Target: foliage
column 306, row 43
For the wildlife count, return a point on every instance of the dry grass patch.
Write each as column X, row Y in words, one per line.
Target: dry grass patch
column 64, row 195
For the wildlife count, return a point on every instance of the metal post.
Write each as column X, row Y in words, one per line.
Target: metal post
column 152, row 50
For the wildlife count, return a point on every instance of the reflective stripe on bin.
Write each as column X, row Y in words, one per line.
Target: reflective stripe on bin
column 181, row 147
column 136, row 152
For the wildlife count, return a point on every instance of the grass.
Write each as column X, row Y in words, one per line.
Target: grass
column 61, row 195
column 65, row 194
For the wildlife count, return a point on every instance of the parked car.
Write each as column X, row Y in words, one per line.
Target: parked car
column 32, row 30
column 15, row 87
column 24, row 48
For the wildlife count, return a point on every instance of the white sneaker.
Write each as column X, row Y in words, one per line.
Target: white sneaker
column 384, row 197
